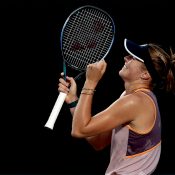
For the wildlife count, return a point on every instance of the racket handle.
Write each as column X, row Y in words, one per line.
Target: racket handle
column 55, row 111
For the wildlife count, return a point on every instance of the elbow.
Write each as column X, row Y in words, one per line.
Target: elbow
column 79, row 132
column 97, row 148
column 76, row 134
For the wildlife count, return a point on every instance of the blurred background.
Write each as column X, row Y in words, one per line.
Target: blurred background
column 31, row 63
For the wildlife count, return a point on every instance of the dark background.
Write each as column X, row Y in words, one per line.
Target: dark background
column 30, row 65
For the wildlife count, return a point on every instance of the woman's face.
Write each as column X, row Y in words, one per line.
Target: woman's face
column 132, row 69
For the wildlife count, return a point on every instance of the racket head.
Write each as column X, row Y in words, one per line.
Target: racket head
column 86, row 37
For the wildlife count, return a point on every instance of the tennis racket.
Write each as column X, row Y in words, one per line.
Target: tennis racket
column 86, row 37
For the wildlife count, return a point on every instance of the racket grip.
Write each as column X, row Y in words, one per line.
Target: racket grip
column 55, row 111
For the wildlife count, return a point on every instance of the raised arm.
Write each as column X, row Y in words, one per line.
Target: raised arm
column 69, row 87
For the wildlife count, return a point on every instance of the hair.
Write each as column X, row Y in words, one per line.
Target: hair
column 164, row 64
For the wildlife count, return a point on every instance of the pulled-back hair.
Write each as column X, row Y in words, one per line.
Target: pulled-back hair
column 164, row 64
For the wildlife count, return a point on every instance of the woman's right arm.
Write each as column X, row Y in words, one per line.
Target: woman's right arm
column 100, row 141
column 69, row 87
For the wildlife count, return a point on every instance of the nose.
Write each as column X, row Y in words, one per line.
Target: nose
column 125, row 58
column 128, row 58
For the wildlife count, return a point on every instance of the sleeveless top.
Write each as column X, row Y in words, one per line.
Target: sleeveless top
column 134, row 153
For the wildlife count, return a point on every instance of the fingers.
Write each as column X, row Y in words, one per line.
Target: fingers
column 62, row 87
column 66, row 85
column 67, row 78
column 101, row 65
column 70, row 79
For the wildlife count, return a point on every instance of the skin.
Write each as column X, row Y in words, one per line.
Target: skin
column 97, row 129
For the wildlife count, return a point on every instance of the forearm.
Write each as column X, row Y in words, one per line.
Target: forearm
column 82, row 113
column 98, row 142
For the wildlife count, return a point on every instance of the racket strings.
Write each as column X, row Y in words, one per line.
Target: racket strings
column 87, row 37
column 86, row 22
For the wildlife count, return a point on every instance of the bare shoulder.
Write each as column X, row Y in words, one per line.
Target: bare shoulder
column 132, row 108
column 139, row 104
column 145, row 113
column 132, row 99
column 128, row 106
column 142, row 98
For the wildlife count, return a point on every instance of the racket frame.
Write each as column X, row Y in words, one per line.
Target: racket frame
column 62, row 96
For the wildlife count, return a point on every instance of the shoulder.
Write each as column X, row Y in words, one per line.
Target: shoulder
column 128, row 105
column 146, row 112
column 136, row 104
column 132, row 99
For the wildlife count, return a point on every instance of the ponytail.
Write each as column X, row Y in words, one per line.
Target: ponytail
column 165, row 67
column 170, row 83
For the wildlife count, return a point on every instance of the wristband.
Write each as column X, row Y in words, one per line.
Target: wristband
column 72, row 104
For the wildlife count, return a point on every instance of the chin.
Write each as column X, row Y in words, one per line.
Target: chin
column 120, row 73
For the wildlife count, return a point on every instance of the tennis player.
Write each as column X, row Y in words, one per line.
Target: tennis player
column 132, row 123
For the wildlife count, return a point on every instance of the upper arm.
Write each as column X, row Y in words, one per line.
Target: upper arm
column 100, row 141
column 120, row 112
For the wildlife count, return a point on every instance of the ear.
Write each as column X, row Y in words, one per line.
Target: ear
column 145, row 75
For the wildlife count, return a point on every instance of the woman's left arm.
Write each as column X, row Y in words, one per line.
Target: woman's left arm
column 121, row 111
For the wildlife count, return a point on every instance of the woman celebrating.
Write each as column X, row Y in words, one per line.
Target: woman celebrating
column 132, row 123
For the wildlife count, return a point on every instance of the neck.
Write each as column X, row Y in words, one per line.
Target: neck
column 132, row 87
